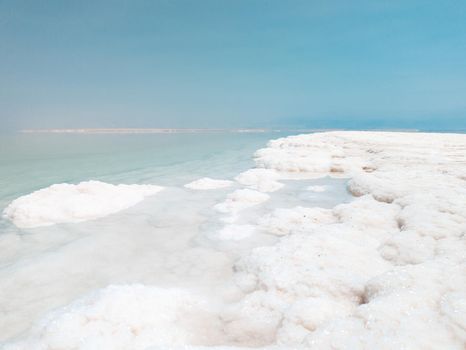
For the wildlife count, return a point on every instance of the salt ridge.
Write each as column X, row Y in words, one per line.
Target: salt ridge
column 381, row 275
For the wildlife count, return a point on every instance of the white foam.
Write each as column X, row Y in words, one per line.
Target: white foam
column 206, row 183
column 67, row 203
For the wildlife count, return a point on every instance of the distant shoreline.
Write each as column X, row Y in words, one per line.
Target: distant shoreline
column 179, row 130
column 139, row 130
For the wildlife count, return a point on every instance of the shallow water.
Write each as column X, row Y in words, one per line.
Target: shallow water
column 32, row 161
column 168, row 240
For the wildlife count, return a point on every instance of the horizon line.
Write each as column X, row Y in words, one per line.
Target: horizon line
column 164, row 130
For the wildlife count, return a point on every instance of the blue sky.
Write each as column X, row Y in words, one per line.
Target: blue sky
column 169, row 63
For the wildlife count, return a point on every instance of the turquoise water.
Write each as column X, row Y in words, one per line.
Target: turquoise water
column 32, row 161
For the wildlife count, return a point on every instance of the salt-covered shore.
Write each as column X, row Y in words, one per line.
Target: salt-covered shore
column 385, row 271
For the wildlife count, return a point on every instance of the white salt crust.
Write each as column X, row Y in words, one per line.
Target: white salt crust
column 317, row 188
column 235, row 232
column 67, row 203
column 386, row 271
column 240, row 200
column 263, row 180
column 127, row 317
column 206, row 183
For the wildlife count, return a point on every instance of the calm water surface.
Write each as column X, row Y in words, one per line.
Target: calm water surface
column 32, row 161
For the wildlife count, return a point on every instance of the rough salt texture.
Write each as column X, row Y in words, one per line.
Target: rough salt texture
column 206, row 183
column 127, row 317
column 66, row 203
column 283, row 221
column 385, row 271
column 240, row 200
column 263, row 180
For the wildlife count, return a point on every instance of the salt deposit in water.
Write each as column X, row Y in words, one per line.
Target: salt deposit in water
column 62, row 203
column 385, row 271
column 263, row 180
column 206, row 183
column 317, row 188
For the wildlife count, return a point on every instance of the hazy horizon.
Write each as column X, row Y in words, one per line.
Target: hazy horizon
column 242, row 64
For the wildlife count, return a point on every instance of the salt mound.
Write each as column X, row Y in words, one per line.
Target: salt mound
column 386, row 271
column 126, row 317
column 65, row 203
column 206, row 183
column 263, row 180
column 241, row 199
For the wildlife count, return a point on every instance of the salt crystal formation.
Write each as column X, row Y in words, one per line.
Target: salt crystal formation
column 127, row 317
column 206, row 183
column 385, row 271
column 64, row 203
column 263, row 180
column 240, row 200
column 388, row 271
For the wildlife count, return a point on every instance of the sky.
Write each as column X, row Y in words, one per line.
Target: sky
column 233, row 63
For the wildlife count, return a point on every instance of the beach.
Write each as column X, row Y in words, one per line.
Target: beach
column 327, row 240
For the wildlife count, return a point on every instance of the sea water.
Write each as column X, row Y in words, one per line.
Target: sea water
column 32, row 161
column 169, row 240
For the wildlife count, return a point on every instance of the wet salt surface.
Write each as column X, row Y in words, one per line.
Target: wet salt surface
column 169, row 240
